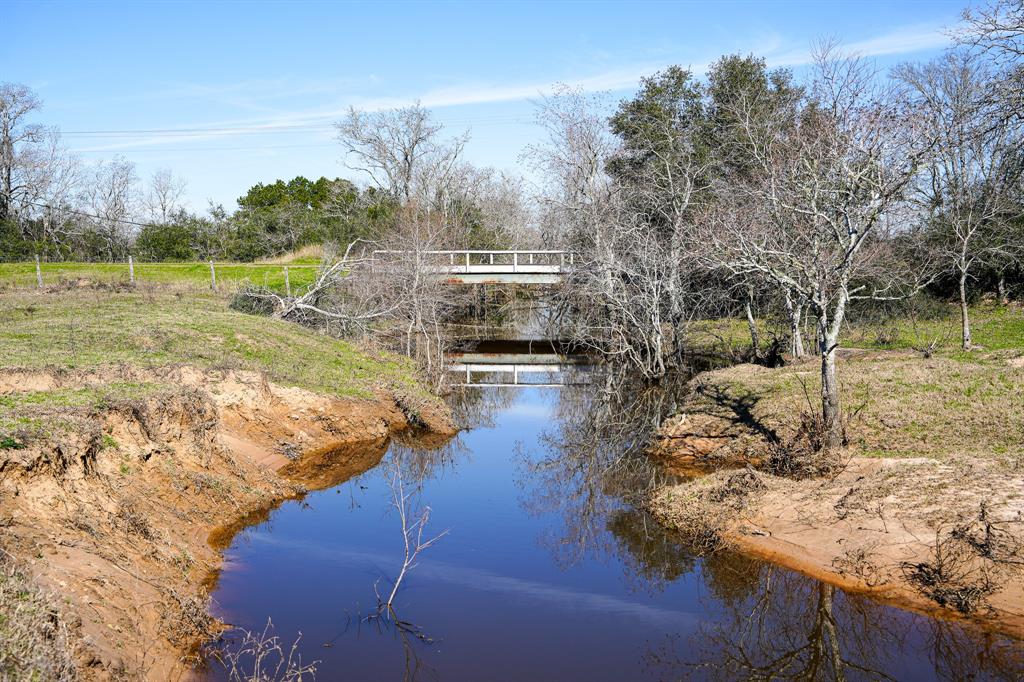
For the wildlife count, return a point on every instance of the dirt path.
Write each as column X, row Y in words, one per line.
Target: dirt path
column 122, row 511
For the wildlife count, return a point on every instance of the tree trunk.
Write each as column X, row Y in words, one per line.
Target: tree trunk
column 828, row 343
column 796, row 341
column 755, row 338
column 964, row 316
column 1004, row 299
column 830, row 407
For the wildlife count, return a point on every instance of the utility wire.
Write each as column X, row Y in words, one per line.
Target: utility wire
column 90, row 215
column 117, row 152
column 273, row 128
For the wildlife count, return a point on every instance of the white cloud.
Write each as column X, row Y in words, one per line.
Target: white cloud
column 905, row 40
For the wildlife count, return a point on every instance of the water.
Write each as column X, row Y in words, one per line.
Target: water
column 548, row 573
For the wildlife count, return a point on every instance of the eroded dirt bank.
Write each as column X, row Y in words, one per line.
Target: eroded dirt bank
column 938, row 534
column 119, row 507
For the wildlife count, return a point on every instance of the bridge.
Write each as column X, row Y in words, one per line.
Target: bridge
column 492, row 267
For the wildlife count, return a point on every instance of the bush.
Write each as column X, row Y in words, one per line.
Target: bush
column 253, row 300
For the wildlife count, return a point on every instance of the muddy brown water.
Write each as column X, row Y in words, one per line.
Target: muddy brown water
column 549, row 572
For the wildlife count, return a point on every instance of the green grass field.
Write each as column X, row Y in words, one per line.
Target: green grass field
column 230, row 276
column 156, row 326
column 993, row 327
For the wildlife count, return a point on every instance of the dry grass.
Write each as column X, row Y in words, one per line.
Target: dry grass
column 905, row 405
column 702, row 509
column 34, row 642
column 310, row 253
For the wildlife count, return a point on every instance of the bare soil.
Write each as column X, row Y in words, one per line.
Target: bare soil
column 942, row 533
column 121, row 512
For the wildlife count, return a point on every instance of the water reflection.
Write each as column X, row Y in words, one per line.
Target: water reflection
column 589, row 464
column 550, row 571
column 777, row 624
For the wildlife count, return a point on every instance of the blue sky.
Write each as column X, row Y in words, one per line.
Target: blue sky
column 253, row 87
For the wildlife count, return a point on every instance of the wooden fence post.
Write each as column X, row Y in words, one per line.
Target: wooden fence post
column 213, row 277
column 131, row 270
column 287, row 283
column 39, row 274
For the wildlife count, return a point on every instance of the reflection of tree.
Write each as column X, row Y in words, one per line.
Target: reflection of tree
column 652, row 556
column 778, row 624
column 594, row 459
column 477, row 408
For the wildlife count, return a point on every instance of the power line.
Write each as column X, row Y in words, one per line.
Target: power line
column 272, row 128
column 90, row 215
column 203, row 149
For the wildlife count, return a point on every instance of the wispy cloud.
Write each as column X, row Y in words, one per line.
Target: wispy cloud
column 557, row 597
column 253, row 95
column 906, row 40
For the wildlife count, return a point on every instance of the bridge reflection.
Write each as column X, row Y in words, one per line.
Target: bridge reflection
column 536, row 364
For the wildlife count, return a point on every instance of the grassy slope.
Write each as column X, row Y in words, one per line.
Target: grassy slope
column 902, row 404
column 151, row 327
column 956, row 402
column 993, row 327
column 229, row 275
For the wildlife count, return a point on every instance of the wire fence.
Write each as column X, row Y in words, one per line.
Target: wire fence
column 213, row 275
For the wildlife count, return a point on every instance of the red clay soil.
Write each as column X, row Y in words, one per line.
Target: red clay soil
column 874, row 527
column 123, row 513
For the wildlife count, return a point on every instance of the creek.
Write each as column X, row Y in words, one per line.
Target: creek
column 548, row 569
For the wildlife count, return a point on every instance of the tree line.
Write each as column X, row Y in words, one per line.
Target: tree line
column 54, row 205
column 700, row 197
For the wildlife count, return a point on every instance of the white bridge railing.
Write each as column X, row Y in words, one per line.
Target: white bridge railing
column 537, row 261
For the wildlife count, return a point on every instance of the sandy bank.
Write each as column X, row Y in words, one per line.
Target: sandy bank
column 119, row 507
column 941, row 533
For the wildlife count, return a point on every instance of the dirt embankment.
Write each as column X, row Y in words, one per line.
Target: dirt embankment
column 120, row 509
column 944, row 536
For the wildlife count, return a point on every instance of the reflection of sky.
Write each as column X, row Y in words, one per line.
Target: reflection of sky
column 491, row 591
column 548, row 596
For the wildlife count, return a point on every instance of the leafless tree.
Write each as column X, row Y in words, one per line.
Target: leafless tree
column 112, row 196
column 996, row 31
column 811, row 218
column 17, row 138
column 997, row 27
column 972, row 177
column 38, row 178
column 164, row 195
column 414, row 518
column 401, row 150
column 627, row 287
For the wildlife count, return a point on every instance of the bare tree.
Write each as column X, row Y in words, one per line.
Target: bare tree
column 625, row 269
column 37, row 176
column 401, row 150
column 996, row 27
column 414, row 518
column 973, row 175
column 112, row 196
column 811, row 218
column 17, row 137
column 996, row 30
column 163, row 196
